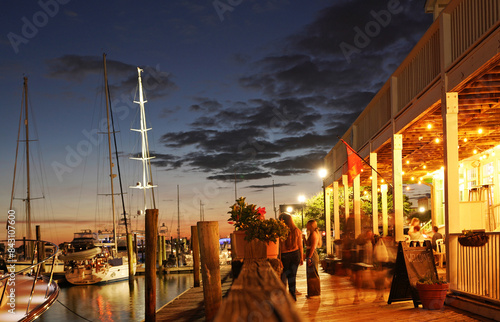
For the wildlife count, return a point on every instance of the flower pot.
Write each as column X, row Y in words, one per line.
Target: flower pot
column 238, row 244
column 273, row 249
column 432, row 296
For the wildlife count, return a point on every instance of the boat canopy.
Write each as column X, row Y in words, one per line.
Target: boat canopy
column 81, row 255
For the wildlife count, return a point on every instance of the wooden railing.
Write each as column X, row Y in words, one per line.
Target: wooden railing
column 477, row 268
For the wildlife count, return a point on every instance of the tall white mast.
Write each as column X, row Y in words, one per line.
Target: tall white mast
column 147, row 181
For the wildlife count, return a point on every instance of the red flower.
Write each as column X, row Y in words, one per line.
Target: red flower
column 261, row 211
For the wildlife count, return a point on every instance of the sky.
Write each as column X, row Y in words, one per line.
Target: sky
column 245, row 98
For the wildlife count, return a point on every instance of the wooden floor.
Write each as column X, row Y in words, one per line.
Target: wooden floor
column 339, row 301
column 189, row 306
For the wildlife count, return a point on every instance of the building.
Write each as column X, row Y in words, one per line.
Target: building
column 437, row 120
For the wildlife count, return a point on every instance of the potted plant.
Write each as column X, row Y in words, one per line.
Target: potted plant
column 265, row 233
column 432, row 292
column 242, row 214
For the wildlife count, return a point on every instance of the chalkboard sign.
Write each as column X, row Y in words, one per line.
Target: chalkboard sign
column 412, row 263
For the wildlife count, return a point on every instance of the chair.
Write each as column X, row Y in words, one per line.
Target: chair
column 440, row 251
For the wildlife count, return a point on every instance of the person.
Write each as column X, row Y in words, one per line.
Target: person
column 435, row 237
column 292, row 254
column 415, row 234
column 312, row 258
column 414, row 231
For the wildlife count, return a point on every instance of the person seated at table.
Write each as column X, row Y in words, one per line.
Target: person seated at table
column 435, row 237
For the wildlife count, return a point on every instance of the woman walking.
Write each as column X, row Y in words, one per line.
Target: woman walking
column 292, row 254
column 312, row 258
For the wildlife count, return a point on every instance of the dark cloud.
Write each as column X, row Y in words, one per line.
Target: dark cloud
column 76, row 68
column 312, row 87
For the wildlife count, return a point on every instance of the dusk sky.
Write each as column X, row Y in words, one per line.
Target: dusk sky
column 256, row 89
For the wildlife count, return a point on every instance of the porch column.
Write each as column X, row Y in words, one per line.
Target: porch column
column 345, row 183
column 328, row 221
column 385, row 218
column 451, row 180
column 336, row 213
column 451, row 174
column 397, row 185
column 357, row 205
column 373, row 163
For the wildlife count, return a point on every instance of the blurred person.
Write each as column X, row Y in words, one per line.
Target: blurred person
column 291, row 253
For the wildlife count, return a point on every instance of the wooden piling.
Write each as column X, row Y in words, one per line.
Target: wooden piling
column 208, row 234
column 41, row 247
column 195, row 246
column 131, row 257
column 150, row 269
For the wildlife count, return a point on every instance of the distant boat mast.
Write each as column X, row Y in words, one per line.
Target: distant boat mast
column 147, row 180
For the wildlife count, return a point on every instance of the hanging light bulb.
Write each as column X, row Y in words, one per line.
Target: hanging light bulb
column 480, row 131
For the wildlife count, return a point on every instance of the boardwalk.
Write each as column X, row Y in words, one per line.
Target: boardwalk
column 337, row 303
column 189, row 307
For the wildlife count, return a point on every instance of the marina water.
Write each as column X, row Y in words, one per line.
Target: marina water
column 118, row 301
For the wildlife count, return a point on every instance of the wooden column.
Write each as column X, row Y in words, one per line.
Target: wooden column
column 373, row 164
column 131, row 258
column 336, row 212
column 328, row 221
column 150, row 278
column 208, row 234
column 385, row 217
column 195, row 244
column 397, row 185
column 159, row 256
column 41, row 247
column 357, row 205
column 345, row 183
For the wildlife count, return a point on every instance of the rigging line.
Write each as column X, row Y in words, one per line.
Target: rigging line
column 117, row 160
column 17, row 150
column 67, row 308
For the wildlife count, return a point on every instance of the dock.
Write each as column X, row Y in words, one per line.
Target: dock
column 340, row 300
column 189, row 306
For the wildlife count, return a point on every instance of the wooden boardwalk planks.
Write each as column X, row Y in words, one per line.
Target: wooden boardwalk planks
column 189, row 306
column 336, row 303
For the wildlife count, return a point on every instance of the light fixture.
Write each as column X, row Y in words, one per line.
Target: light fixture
column 429, row 126
column 475, row 151
column 322, row 173
column 407, row 161
column 465, row 139
column 437, row 140
column 425, row 167
column 480, row 131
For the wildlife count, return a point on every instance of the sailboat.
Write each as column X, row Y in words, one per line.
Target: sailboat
column 23, row 296
column 94, row 259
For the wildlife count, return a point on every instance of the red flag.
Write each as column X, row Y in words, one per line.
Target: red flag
column 354, row 163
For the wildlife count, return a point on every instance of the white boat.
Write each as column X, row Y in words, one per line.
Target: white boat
column 91, row 260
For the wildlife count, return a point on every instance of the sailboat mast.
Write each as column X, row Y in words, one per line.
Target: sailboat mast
column 147, row 181
column 28, row 193
column 111, row 175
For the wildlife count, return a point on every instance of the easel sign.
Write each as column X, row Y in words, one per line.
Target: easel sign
column 412, row 263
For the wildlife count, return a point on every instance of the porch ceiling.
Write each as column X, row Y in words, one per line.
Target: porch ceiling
column 479, row 108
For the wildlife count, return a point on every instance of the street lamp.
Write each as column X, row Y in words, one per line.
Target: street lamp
column 302, row 199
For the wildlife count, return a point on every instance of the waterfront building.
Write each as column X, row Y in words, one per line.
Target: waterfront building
column 436, row 121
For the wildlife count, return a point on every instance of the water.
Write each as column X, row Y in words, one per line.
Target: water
column 119, row 301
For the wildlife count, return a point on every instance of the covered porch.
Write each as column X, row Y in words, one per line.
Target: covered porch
column 436, row 121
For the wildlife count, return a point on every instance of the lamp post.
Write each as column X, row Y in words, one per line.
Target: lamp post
column 302, row 199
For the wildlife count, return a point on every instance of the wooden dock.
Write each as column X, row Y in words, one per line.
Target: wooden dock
column 339, row 301
column 189, row 306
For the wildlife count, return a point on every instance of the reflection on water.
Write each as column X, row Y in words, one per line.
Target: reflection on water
column 119, row 301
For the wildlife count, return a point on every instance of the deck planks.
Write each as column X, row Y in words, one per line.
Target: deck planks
column 336, row 303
